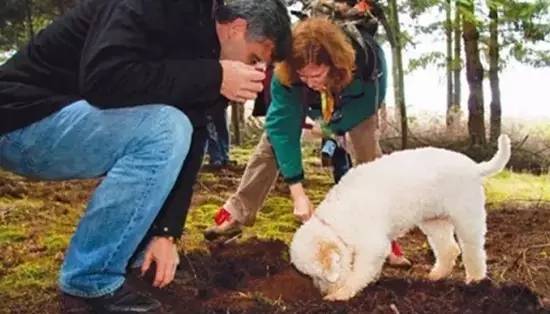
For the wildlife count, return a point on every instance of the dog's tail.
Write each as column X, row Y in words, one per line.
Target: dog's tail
column 499, row 160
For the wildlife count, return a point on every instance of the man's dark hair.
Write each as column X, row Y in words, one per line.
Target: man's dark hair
column 266, row 19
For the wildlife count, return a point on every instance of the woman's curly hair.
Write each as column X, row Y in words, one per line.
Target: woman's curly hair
column 319, row 41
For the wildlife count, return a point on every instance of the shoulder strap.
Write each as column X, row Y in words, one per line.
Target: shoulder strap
column 371, row 70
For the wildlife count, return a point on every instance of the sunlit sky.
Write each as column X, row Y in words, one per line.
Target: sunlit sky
column 525, row 90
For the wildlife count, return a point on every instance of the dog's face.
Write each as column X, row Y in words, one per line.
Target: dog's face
column 327, row 261
column 319, row 257
column 327, row 266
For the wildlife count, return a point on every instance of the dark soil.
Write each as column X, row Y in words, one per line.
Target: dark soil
column 255, row 277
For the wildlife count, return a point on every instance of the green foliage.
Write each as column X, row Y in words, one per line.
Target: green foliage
column 529, row 55
column 20, row 19
column 523, row 26
column 435, row 57
column 419, row 7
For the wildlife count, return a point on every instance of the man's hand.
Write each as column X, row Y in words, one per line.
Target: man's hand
column 163, row 252
column 303, row 208
column 241, row 82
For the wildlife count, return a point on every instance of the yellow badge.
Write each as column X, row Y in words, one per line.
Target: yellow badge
column 327, row 105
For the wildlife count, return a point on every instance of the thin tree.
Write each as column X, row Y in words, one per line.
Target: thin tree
column 29, row 17
column 496, row 111
column 457, row 64
column 474, row 75
column 449, row 60
column 235, row 123
column 397, row 57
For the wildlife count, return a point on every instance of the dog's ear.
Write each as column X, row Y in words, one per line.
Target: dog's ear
column 328, row 258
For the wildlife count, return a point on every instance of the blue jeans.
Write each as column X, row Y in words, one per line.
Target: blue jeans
column 217, row 144
column 140, row 150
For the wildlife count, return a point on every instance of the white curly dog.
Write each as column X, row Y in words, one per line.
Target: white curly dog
column 344, row 244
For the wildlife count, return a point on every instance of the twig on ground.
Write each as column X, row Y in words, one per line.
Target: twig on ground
column 203, row 186
column 526, row 266
column 520, row 144
column 394, row 308
column 191, row 266
column 522, row 255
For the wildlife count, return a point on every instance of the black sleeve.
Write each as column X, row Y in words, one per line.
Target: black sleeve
column 171, row 218
column 120, row 67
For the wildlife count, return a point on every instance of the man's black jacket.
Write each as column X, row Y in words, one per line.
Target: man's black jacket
column 117, row 53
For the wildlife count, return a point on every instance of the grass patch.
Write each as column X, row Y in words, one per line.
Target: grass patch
column 207, row 177
column 199, row 218
column 518, row 189
column 40, row 273
column 11, row 234
column 21, row 210
column 55, row 243
column 241, row 154
column 275, row 220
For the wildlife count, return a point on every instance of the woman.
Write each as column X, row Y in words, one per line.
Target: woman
column 324, row 78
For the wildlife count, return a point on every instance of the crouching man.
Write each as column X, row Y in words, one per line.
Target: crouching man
column 119, row 89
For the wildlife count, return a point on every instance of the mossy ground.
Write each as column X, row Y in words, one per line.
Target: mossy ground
column 38, row 218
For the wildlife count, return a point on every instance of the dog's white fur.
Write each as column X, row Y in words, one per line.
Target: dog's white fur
column 344, row 245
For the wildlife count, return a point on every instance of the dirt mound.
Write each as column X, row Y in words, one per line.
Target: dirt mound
column 256, row 277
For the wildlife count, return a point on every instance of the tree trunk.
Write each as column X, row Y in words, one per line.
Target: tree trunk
column 449, row 37
column 395, row 75
column 496, row 111
column 241, row 114
column 399, row 85
column 457, row 64
column 401, row 99
column 61, row 7
column 28, row 17
column 474, row 74
column 235, row 123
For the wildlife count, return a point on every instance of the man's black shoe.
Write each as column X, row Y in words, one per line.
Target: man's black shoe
column 124, row 300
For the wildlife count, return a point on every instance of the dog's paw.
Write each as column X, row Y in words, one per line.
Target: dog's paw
column 342, row 294
column 473, row 280
column 438, row 274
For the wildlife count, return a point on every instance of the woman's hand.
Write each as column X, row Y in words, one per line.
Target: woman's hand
column 316, row 130
column 303, row 208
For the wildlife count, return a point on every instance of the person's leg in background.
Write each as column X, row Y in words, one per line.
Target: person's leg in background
column 335, row 156
column 212, row 145
column 242, row 207
column 341, row 163
column 217, row 144
column 219, row 119
column 365, row 140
